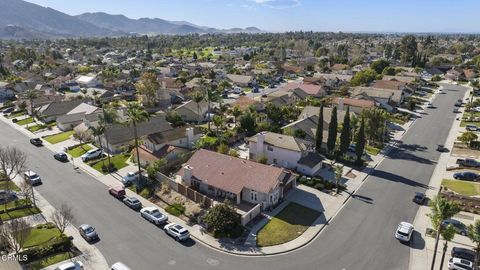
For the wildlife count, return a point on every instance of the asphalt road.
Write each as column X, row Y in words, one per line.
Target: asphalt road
column 359, row 237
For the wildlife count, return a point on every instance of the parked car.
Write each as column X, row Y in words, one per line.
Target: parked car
column 441, row 148
column 404, row 231
column 430, row 105
column 132, row 202
column 468, row 176
column 61, row 156
column 458, row 103
column 92, row 154
column 459, row 264
column 88, row 232
column 76, row 265
column 119, row 266
column 177, row 231
column 153, row 215
column 460, row 228
column 130, row 178
column 8, row 110
column 471, row 127
column 117, row 192
column 456, row 110
column 463, row 253
column 32, row 177
column 7, row 196
column 468, row 162
column 36, row 141
column 419, row 197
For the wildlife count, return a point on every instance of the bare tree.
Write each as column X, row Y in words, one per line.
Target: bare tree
column 26, row 190
column 15, row 233
column 62, row 217
column 83, row 136
column 12, row 162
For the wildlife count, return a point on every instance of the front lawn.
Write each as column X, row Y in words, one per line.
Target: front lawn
column 119, row 161
column 79, row 150
column 38, row 127
column 462, row 187
column 60, row 137
column 19, row 213
column 25, row 121
column 465, row 123
column 372, row 150
column 50, row 260
column 15, row 114
column 287, row 225
column 41, row 235
column 12, row 186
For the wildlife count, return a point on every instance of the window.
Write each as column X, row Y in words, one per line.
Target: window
column 269, row 148
column 253, row 196
column 274, row 161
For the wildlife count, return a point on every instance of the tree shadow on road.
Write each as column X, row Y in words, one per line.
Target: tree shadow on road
column 406, row 154
column 398, row 178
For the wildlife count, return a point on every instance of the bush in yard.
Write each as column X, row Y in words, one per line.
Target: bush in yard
column 222, row 219
column 175, row 209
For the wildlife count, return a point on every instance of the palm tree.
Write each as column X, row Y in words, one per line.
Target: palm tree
column 442, row 209
column 198, row 97
column 474, row 235
column 97, row 132
column 447, row 234
column 108, row 117
column 236, row 112
column 136, row 114
column 31, row 94
column 219, row 121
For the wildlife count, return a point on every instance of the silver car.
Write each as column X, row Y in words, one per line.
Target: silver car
column 153, row 215
column 88, row 232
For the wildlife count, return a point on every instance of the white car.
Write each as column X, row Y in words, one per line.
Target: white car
column 129, row 178
column 404, row 232
column 119, row 266
column 153, row 215
column 429, row 105
column 459, row 264
column 177, row 231
column 32, row 178
column 77, row 265
column 92, row 154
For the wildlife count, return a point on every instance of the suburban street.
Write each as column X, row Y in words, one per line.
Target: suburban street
column 361, row 236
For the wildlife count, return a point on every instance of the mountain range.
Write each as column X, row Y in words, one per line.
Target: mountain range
column 23, row 20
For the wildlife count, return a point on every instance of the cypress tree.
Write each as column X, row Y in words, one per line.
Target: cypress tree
column 360, row 144
column 345, row 135
column 319, row 133
column 332, row 131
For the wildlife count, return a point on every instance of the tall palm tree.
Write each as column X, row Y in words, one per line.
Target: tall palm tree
column 447, row 234
column 136, row 114
column 442, row 209
column 31, row 94
column 108, row 117
column 198, row 97
column 236, row 112
column 97, row 132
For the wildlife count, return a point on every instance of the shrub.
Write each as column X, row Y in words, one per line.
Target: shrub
column 319, row 186
column 146, row 192
column 175, row 209
column 38, row 252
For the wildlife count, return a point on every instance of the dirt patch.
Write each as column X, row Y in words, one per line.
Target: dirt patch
column 168, row 196
column 460, row 149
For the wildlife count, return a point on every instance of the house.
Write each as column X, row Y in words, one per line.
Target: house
column 429, row 73
column 222, row 176
column 5, row 91
column 49, row 112
column 355, row 105
column 454, row 74
column 76, row 116
column 310, row 89
column 244, row 103
column 240, row 80
column 385, row 98
column 406, row 89
column 285, row 151
column 92, row 93
column 87, row 81
column 190, row 111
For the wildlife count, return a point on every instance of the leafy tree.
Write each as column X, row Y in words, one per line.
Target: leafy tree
column 319, row 132
column 468, row 137
column 375, row 124
column 360, row 143
column 363, row 77
column 441, row 209
column 222, row 219
column 345, row 135
column 379, row 65
column 447, row 234
column 436, row 78
column 248, row 123
column 338, row 176
column 31, row 95
column 332, row 131
column 388, row 71
column 474, row 235
column 148, row 86
column 236, row 112
column 408, row 49
column 174, row 118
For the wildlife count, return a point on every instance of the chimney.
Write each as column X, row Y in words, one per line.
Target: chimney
column 260, row 141
column 187, row 175
column 190, row 139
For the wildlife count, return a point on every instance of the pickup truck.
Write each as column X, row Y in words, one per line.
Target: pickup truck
column 468, row 162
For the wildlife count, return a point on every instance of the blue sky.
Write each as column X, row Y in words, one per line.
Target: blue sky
column 286, row 15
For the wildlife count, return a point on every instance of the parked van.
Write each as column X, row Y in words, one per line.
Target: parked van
column 117, row 192
column 119, row 266
column 32, row 178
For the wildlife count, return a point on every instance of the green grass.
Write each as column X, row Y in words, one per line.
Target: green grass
column 397, row 120
column 12, row 185
column 36, row 127
column 462, row 187
column 175, row 209
column 41, row 236
column 60, row 137
column 465, row 123
column 120, row 161
column 372, row 150
column 78, row 151
column 60, row 257
column 14, row 115
column 19, row 213
column 25, row 121
column 287, row 225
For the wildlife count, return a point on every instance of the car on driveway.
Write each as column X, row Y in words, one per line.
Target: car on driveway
column 36, row 141
column 153, row 215
column 32, row 177
column 471, row 127
column 132, row 202
column 467, row 162
column 460, row 228
column 8, row 110
column 88, row 232
column 130, row 178
column 61, row 156
column 176, row 231
column 468, row 176
column 459, row 264
column 117, row 192
column 419, row 198
column 92, row 154
column 404, row 231
column 76, row 265
column 463, row 253
column 441, row 148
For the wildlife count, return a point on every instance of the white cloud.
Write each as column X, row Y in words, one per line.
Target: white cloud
column 280, row 4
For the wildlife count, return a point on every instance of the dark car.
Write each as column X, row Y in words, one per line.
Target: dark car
column 36, row 141
column 469, row 176
column 441, row 148
column 419, row 198
column 460, row 228
column 61, row 156
column 8, row 110
column 133, row 203
column 463, row 253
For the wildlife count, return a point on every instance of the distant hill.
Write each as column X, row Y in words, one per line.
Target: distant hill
column 23, row 20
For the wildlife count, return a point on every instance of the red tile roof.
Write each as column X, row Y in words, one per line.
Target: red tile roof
column 233, row 174
column 310, row 89
column 393, row 85
column 355, row 102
